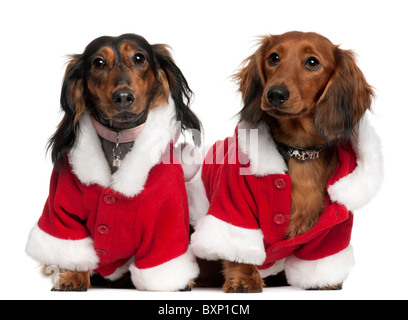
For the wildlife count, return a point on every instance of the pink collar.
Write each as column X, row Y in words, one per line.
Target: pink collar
column 124, row 136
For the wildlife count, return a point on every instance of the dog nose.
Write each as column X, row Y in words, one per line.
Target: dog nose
column 277, row 95
column 123, row 98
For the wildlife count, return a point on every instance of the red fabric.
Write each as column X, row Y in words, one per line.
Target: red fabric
column 252, row 202
column 153, row 226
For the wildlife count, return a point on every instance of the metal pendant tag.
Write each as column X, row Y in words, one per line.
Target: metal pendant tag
column 116, row 152
column 116, row 162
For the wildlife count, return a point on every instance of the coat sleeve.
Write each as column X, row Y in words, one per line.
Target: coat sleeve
column 327, row 259
column 230, row 230
column 163, row 261
column 60, row 237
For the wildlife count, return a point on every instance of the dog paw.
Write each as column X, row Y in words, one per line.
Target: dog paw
column 189, row 287
column 242, row 278
column 244, row 287
column 71, row 281
column 333, row 287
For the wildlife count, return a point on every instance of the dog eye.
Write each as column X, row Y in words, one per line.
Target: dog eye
column 312, row 64
column 273, row 59
column 139, row 59
column 99, row 63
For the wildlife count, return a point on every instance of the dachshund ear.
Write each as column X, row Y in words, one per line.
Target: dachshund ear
column 251, row 88
column 344, row 101
column 162, row 87
column 251, row 85
column 73, row 105
column 172, row 79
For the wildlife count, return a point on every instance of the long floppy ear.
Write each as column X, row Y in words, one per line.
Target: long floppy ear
column 344, row 101
column 251, row 85
column 180, row 91
column 73, row 105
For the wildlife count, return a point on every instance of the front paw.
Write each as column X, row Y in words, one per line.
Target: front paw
column 333, row 287
column 241, row 278
column 65, row 280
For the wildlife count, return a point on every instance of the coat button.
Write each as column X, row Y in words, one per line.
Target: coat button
column 109, row 199
column 280, row 183
column 279, row 219
column 103, row 229
column 101, row 252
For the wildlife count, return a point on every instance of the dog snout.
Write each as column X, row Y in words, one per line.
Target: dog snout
column 277, row 95
column 123, row 98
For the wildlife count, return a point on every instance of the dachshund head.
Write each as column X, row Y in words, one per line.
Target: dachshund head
column 118, row 80
column 303, row 74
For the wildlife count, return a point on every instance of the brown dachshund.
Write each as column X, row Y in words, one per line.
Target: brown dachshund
column 310, row 93
column 109, row 93
column 306, row 97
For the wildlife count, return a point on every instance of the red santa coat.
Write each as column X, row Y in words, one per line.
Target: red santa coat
column 248, row 195
column 135, row 219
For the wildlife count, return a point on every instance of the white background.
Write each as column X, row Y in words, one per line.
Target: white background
column 209, row 40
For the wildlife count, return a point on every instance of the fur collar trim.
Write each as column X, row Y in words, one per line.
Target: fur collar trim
column 263, row 155
column 359, row 187
column 91, row 167
column 354, row 191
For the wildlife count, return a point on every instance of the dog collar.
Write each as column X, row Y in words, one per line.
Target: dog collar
column 124, row 136
column 300, row 153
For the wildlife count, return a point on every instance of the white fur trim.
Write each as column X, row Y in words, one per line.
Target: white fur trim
column 197, row 199
column 358, row 188
column 90, row 165
column 215, row 239
column 170, row 276
column 329, row 271
column 75, row 255
column 87, row 158
column 257, row 144
column 277, row 267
